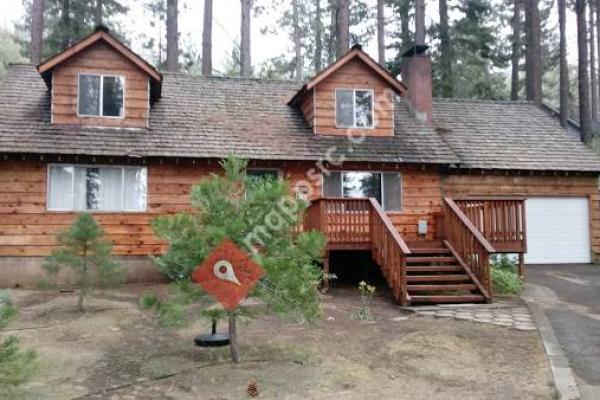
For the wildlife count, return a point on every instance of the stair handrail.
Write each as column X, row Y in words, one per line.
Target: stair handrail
column 469, row 243
column 389, row 251
column 388, row 224
column 469, row 225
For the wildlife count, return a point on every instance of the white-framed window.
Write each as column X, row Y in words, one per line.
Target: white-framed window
column 96, row 188
column 386, row 187
column 100, row 96
column 354, row 108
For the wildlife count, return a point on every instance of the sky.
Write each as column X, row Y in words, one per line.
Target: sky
column 226, row 28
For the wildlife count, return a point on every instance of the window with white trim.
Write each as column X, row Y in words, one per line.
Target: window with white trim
column 385, row 187
column 96, row 188
column 354, row 108
column 100, row 96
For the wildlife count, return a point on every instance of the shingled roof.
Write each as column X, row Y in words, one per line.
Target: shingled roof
column 207, row 118
column 200, row 117
column 509, row 135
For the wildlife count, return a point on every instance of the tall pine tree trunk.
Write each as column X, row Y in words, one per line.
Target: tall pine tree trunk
column 516, row 50
column 420, row 22
column 37, row 30
column 331, row 46
column 445, row 51
column 405, row 27
column 381, row 32
column 245, row 52
column 533, row 62
column 98, row 12
column 297, row 41
column 585, row 116
column 593, row 80
column 207, row 38
column 564, row 66
column 342, row 24
column 172, row 36
column 66, row 22
column 318, row 37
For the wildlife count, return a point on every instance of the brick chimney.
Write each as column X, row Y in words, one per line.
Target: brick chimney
column 416, row 75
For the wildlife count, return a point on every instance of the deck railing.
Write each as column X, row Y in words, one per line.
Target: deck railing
column 468, row 244
column 361, row 224
column 501, row 221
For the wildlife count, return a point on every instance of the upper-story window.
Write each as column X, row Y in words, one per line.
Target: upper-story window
column 353, row 108
column 100, row 96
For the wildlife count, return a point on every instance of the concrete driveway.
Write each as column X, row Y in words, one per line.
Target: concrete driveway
column 569, row 296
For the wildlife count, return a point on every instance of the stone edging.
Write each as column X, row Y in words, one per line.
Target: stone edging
column 562, row 375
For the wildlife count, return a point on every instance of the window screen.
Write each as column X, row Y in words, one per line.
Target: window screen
column 392, row 196
column 89, row 95
column 344, row 108
column 332, row 184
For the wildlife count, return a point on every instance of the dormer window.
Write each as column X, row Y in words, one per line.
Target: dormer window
column 100, row 96
column 354, row 108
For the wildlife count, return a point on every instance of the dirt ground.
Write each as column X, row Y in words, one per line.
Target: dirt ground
column 116, row 351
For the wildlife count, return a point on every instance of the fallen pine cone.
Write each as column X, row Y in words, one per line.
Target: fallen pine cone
column 252, row 389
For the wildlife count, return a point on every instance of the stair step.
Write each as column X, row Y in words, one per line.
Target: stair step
column 434, row 268
column 438, row 278
column 425, row 250
column 441, row 288
column 433, row 259
column 472, row 298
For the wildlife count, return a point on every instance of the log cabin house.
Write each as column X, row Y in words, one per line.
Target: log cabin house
column 430, row 187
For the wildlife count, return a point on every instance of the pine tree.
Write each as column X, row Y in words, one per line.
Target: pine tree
column 318, row 61
column 447, row 79
column 381, row 32
column 222, row 209
column 207, row 38
column 533, row 62
column 84, row 250
column 38, row 8
column 342, row 27
column 245, row 51
column 585, row 115
column 564, row 67
column 593, row 75
column 516, row 49
column 172, row 36
column 16, row 365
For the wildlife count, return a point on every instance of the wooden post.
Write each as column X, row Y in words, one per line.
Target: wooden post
column 522, row 265
column 326, row 272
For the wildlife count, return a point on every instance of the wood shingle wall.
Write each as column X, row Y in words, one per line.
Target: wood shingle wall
column 28, row 229
column 100, row 59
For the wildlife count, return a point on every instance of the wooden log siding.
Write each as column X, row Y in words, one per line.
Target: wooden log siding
column 28, row 229
column 102, row 60
column 353, row 75
column 496, row 186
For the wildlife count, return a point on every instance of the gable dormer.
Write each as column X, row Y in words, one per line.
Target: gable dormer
column 100, row 82
column 353, row 96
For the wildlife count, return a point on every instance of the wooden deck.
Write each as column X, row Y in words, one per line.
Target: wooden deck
column 472, row 230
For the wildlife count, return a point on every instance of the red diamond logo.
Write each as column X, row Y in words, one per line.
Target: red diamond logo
column 228, row 274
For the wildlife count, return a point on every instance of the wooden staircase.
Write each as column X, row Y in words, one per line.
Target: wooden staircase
column 435, row 275
column 453, row 270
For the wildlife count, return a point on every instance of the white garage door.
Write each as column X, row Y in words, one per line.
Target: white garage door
column 558, row 230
